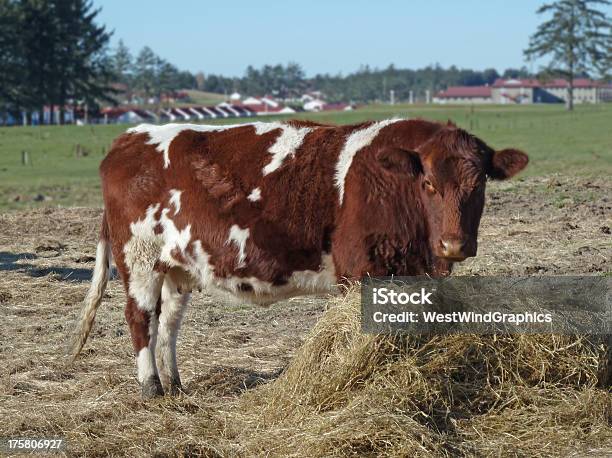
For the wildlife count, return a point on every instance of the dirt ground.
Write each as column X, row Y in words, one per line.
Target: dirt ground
column 543, row 226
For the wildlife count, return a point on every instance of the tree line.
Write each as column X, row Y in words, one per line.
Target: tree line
column 364, row 85
column 147, row 75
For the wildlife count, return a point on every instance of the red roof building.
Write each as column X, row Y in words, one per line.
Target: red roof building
column 466, row 91
column 527, row 90
column 464, row 94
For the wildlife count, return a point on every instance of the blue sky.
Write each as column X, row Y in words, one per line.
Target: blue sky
column 325, row 36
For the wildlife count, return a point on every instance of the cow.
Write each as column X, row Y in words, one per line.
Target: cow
column 266, row 211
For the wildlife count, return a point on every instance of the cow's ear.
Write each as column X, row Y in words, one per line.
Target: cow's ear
column 399, row 160
column 507, row 163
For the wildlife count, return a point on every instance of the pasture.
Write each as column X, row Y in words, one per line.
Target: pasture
column 298, row 378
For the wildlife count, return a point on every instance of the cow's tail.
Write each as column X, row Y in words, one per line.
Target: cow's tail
column 93, row 299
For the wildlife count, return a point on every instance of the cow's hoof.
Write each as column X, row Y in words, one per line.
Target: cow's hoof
column 152, row 388
column 175, row 388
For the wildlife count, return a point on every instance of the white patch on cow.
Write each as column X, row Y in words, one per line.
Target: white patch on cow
column 175, row 199
column 286, row 144
column 255, row 195
column 173, row 238
column 239, row 237
column 318, row 281
column 355, row 142
column 145, row 361
column 200, row 266
column 173, row 307
column 141, row 253
column 144, row 287
column 145, row 248
column 163, row 135
column 262, row 128
column 321, row 280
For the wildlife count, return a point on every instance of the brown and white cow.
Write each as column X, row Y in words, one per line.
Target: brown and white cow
column 265, row 211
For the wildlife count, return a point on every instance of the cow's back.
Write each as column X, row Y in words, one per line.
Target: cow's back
column 258, row 200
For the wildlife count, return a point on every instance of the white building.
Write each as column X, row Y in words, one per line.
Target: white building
column 270, row 102
column 314, row 105
column 251, row 101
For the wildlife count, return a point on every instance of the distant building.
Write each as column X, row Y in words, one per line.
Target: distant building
column 266, row 100
column 176, row 114
column 527, row 91
column 553, row 91
column 129, row 115
column 519, row 91
column 314, row 105
column 464, row 94
column 126, row 115
column 312, row 95
column 270, row 102
column 286, row 110
column 251, row 101
column 263, row 109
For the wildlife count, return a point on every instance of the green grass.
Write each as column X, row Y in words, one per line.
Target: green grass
column 204, row 98
column 578, row 143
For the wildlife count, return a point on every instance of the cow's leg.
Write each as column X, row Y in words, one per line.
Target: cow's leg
column 141, row 313
column 173, row 304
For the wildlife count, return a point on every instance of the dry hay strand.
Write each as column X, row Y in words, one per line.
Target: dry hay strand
column 352, row 394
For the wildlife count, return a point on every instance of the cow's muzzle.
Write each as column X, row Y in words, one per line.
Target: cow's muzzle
column 455, row 250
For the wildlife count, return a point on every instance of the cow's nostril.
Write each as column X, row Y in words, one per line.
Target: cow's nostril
column 453, row 248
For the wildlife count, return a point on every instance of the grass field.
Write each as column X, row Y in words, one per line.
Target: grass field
column 578, row 143
column 205, row 98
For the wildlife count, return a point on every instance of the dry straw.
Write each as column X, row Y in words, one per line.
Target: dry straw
column 351, row 394
column 342, row 394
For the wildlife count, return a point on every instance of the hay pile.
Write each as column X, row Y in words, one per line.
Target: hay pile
column 350, row 394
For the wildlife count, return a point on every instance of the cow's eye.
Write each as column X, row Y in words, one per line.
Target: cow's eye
column 429, row 186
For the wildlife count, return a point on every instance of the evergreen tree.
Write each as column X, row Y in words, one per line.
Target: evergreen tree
column 200, row 80
column 37, row 38
column 11, row 57
column 121, row 62
column 56, row 54
column 577, row 37
column 145, row 71
column 81, row 68
column 166, row 78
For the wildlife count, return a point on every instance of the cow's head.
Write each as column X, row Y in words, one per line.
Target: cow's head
column 449, row 173
column 454, row 167
column 413, row 210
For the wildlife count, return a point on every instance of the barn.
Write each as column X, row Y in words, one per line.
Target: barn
column 527, row 91
column 464, row 94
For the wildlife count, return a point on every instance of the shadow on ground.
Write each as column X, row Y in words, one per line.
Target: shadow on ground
column 12, row 262
column 231, row 381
